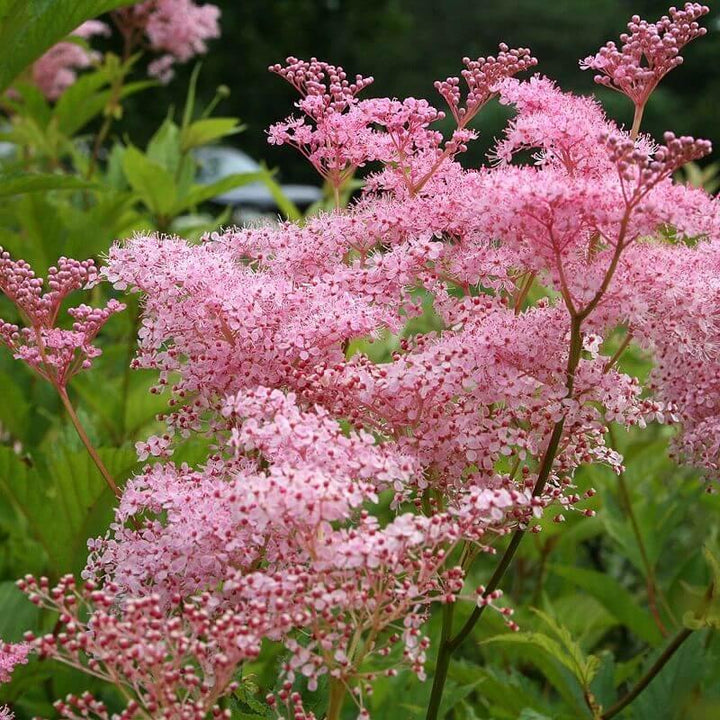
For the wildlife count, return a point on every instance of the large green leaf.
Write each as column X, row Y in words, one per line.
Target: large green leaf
column 62, row 500
column 666, row 696
column 29, row 27
column 22, row 183
column 17, row 613
column 618, row 601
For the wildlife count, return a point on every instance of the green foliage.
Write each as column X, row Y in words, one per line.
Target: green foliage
column 29, row 27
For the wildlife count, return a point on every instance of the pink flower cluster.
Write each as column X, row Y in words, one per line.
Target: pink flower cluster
column 11, row 655
column 342, row 497
column 178, row 30
column 648, row 52
column 340, row 133
column 56, row 354
column 178, row 665
column 57, row 69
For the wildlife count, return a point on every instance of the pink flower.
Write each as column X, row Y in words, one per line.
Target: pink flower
column 57, row 69
column 177, row 30
column 12, row 655
column 54, row 353
column 648, row 52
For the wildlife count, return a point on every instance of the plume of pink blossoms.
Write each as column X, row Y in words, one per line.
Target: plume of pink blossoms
column 648, row 52
column 341, row 133
column 56, row 354
column 57, row 69
column 177, row 30
column 338, row 491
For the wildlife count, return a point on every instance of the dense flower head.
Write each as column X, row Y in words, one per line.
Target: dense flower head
column 178, row 664
column 55, row 353
column 648, row 52
column 57, row 69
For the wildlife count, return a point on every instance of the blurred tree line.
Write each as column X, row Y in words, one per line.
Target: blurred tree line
column 407, row 44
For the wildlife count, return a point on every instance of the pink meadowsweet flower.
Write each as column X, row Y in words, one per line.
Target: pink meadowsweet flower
column 648, row 52
column 561, row 127
column 56, row 354
column 6, row 713
column 482, row 77
column 57, row 69
column 11, row 655
column 343, row 474
column 177, row 30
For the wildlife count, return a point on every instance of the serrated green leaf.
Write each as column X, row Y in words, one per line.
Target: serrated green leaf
column 30, row 27
column 62, row 500
column 618, row 601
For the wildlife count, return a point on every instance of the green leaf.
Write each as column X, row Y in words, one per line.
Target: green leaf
column 62, row 500
column 616, row 599
column 666, row 696
column 562, row 647
column 17, row 613
column 287, row 207
column 200, row 193
column 151, row 181
column 30, row 27
column 202, row 132
column 164, row 146
column 76, row 108
column 23, row 183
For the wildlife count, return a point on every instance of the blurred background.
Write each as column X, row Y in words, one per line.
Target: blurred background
column 407, row 44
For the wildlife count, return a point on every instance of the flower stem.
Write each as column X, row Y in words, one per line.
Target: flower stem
column 86, row 441
column 451, row 644
column 637, row 119
column 337, row 698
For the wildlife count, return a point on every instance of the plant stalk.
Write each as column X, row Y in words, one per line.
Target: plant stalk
column 451, row 644
column 337, row 698
column 648, row 677
column 86, row 441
